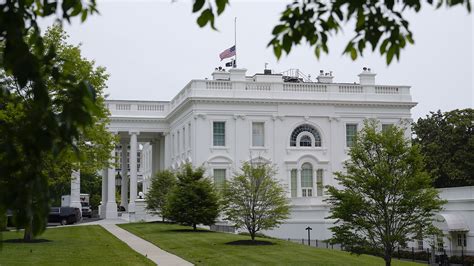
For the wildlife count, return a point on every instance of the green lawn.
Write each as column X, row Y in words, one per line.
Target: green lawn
column 210, row 248
column 79, row 245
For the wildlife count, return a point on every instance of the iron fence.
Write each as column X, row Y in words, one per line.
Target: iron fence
column 427, row 255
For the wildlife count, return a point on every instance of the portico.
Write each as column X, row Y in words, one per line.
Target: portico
column 135, row 124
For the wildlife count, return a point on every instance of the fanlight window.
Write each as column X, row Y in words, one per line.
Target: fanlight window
column 305, row 140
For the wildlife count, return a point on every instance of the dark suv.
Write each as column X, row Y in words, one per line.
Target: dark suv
column 64, row 215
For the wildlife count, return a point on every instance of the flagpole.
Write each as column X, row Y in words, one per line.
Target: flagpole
column 235, row 40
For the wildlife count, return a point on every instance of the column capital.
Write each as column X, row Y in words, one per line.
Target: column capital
column 134, row 132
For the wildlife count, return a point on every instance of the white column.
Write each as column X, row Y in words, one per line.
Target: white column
column 315, row 178
column 162, row 153
column 155, row 157
column 104, row 193
column 298, row 183
column 76, row 189
column 111, row 207
column 133, row 171
column 124, row 174
column 167, row 150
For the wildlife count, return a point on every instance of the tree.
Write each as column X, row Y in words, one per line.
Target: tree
column 386, row 198
column 254, row 200
column 161, row 185
column 29, row 201
column 447, row 142
column 33, row 123
column 193, row 200
column 381, row 24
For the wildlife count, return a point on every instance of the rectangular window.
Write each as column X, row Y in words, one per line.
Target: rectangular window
column 219, row 178
column 184, row 139
column 351, row 131
column 385, row 127
column 177, row 142
column 462, row 240
column 294, row 185
column 173, row 146
column 258, row 134
column 307, row 182
column 218, row 133
column 189, row 135
column 319, row 182
column 420, row 245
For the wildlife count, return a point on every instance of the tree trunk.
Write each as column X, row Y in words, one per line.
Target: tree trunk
column 194, row 227
column 252, row 235
column 388, row 258
column 28, row 236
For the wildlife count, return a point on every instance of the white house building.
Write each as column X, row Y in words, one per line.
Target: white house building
column 305, row 128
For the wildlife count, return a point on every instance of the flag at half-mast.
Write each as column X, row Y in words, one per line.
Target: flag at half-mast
column 227, row 53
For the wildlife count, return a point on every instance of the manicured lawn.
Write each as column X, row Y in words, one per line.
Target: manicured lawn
column 210, row 248
column 79, row 245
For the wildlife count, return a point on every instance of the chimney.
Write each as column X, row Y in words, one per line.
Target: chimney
column 220, row 74
column 367, row 77
column 237, row 74
column 325, row 77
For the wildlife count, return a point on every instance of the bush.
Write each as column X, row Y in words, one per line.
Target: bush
column 468, row 260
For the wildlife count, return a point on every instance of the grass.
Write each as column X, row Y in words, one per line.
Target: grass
column 212, row 248
column 79, row 245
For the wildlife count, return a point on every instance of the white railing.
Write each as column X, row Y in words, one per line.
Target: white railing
column 350, row 89
column 151, row 107
column 386, row 90
column 304, row 87
column 123, row 106
column 258, row 86
column 218, row 85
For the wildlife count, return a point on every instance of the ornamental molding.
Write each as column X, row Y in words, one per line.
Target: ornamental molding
column 278, row 117
column 239, row 116
column 200, row 115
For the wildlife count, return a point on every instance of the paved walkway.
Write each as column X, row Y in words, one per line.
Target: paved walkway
column 144, row 247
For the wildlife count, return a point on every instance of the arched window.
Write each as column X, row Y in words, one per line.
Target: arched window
column 307, row 180
column 305, row 140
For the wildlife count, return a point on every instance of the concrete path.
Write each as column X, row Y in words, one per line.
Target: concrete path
column 154, row 253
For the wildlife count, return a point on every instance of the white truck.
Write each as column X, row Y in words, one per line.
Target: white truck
column 84, row 198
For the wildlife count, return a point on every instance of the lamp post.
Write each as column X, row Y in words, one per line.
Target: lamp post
column 309, row 234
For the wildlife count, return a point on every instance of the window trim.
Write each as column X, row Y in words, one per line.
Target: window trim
column 345, row 132
column 225, row 134
column 214, row 178
column 313, row 144
column 264, row 134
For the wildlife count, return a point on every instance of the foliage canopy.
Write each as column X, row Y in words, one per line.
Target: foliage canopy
column 386, row 198
column 447, row 143
column 254, row 200
column 381, row 24
column 157, row 197
column 193, row 200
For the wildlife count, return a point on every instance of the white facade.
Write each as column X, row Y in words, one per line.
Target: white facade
column 232, row 118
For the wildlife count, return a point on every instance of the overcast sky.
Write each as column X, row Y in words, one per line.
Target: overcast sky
column 152, row 48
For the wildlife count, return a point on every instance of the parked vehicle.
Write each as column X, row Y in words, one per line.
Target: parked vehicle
column 64, row 215
column 85, row 205
column 86, row 209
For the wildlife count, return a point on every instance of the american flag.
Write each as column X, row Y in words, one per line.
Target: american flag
column 227, row 53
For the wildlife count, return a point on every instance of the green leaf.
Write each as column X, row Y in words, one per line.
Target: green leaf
column 391, row 53
column 277, row 50
column 278, row 29
column 205, row 17
column 221, row 4
column 198, row 4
